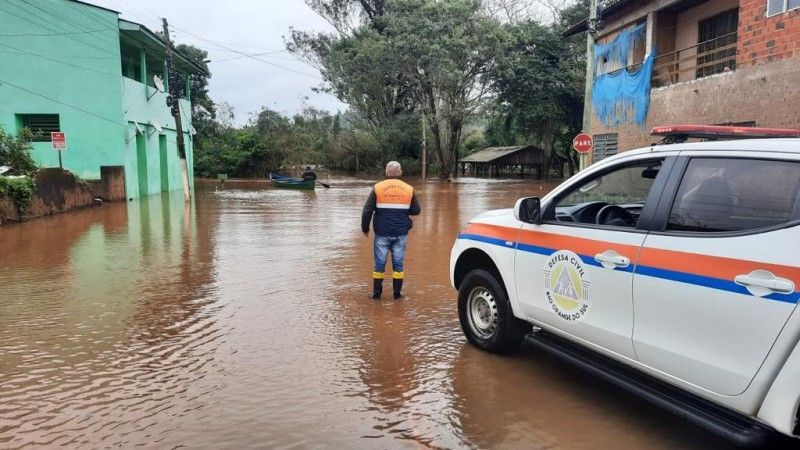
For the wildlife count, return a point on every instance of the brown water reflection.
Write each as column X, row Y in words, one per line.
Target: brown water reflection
column 244, row 321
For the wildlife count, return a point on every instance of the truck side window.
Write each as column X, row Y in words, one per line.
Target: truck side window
column 735, row 194
column 614, row 198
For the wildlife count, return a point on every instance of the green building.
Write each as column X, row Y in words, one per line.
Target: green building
column 77, row 68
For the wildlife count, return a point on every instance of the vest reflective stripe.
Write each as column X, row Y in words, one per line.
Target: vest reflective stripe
column 393, row 194
column 392, row 206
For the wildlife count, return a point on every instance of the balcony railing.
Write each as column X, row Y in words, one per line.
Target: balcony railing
column 706, row 58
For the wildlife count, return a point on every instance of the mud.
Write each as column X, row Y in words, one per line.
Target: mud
column 244, row 321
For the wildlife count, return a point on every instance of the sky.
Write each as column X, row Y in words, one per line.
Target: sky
column 248, row 26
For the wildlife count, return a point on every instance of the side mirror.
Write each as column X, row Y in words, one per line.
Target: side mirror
column 528, row 210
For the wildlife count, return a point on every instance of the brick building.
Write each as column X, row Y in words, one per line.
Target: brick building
column 667, row 62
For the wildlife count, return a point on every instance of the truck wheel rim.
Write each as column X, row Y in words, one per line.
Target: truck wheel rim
column 482, row 311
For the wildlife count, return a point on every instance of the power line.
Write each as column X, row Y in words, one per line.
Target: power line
column 51, row 34
column 141, row 10
column 253, row 54
column 90, row 11
column 51, row 29
column 123, row 125
column 62, row 103
column 247, row 55
column 62, row 62
column 257, row 47
column 59, row 20
column 243, row 54
column 69, row 56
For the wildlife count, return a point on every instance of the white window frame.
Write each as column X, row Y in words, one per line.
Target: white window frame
column 783, row 10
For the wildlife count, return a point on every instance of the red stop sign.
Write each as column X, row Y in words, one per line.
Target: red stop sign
column 583, row 143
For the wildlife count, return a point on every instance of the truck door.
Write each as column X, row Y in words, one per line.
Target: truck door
column 714, row 288
column 574, row 273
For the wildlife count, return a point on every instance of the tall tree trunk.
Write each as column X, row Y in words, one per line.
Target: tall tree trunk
column 547, row 146
column 570, row 163
column 454, row 140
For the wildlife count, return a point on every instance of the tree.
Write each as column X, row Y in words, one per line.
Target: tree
column 347, row 15
column 444, row 51
column 360, row 70
column 15, row 152
column 203, row 108
column 405, row 57
column 517, row 11
column 540, row 88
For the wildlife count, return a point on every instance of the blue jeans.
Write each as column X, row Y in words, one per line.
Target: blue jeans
column 383, row 245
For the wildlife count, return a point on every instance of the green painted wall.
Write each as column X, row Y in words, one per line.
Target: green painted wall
column 142, row 166
column 147, row 114
column 164, row 162
column 62, row 57
column 81, row 69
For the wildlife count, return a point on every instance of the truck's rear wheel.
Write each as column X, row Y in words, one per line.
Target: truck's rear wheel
column 486, row 316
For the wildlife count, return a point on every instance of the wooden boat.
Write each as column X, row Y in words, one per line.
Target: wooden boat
column 291, row 183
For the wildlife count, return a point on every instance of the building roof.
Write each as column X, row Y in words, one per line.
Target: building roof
column 492, row 153
column 605, row 8
column 153, row 45
column 95, row 6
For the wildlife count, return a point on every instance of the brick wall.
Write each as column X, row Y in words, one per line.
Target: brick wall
column 768, row 94
column 765, row 39
column 57, row 191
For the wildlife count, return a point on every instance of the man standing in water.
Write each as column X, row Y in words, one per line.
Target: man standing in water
column 392, row 201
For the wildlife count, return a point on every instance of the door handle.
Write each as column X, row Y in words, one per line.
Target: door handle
column 610, row 259
column 763, row 282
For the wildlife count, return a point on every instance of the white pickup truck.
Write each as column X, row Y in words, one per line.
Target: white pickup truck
column 672, row 271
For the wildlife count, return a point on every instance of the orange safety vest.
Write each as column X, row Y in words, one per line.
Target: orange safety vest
column 393, row 194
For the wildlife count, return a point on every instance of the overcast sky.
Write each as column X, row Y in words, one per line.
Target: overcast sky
column 250, row 26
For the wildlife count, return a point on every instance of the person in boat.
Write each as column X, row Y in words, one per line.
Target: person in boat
column 391, row 202
column 309, row 174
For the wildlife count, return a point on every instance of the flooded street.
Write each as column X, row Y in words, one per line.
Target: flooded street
column 245, row 322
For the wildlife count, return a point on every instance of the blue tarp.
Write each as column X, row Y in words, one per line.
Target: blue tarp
column 622, row 96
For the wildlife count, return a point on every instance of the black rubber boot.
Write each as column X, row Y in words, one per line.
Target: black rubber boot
column 377, row 288
column 397, row 285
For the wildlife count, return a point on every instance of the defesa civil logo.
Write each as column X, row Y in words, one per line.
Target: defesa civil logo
column 566, row 285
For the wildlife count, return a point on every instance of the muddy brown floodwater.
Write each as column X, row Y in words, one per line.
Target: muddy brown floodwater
column 244, row 322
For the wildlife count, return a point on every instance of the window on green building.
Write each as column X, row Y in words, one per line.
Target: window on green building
column 41, row 125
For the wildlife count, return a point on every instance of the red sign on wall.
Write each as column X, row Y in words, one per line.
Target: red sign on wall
column 59, row 140
column 583, row 143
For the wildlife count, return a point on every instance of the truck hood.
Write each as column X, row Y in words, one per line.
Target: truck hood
column 493, row 215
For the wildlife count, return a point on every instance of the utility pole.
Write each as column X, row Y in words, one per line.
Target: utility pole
column 591, row 28
column 174, row 104
column 424, row 147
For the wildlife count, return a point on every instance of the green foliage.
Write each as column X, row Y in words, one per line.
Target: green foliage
column 15, row 152
column 406, row 56
column 271, row 142
column 540, row 84
column 20, row 190
column 446, row 49
column 477, row 80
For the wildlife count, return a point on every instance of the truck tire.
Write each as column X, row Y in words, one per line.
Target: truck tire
column 486, row 316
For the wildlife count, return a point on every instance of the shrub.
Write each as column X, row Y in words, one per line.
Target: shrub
column 15, row 152
column 20, row 190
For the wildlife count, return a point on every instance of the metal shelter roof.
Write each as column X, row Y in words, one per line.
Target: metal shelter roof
column 492, row 153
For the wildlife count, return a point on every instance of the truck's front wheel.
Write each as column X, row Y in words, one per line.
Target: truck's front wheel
column 486, row 316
